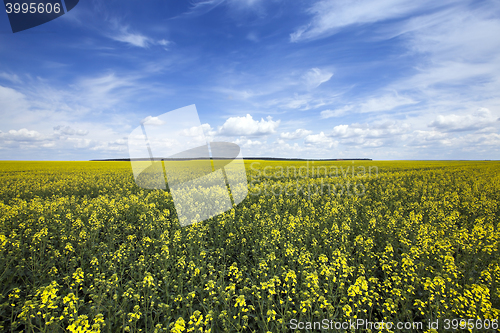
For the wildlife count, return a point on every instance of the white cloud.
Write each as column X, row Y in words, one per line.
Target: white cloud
column 335, row 113
column 22, row 135
column 459, row 62
column 135, row 39
column 456, row 31
column 11, row 77
column 152, row 121
column 340, row 130
column 370, row 135
column 320, row 140
column 67, row 130
column 205, row 130
column 315, row 77
column 252, row 36
column 297, row 102
column 299, row 133
column 24, row 139
column 200, row 7
column 248, row 143
column 329, row 16
column 424, row 139
column 52, row 117
column 491, row 139
column 204, row 6
column 385, row 102
column 106, row 90
column 118, row 145
column 480, row 119
column 209, row 132
column 12, row 101
column 247, row 126
column 163, row 42
column 376, row 130
column 79, row 142
column 300, row 102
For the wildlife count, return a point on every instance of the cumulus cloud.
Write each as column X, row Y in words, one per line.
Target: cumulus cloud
column 25, row 139
column 67, row 130
column 370, row 135
column 199, row 131
column 297, row 134
column 426, row 138
column 21, row 135
column 247, row 126
column 480, row 119
column 152, row 121
column 376, row 130
column 248, row 143
column 320, row 139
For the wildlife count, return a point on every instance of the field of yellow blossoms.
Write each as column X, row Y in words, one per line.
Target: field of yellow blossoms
column 84, row 249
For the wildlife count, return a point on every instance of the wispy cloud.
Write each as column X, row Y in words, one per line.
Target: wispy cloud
column 135, row 39
column 10, row 77
column 382, row 103
column 385, row 102
column 67, row 130
column 329, row 16
column 109, row 89
column 315, row 76
column 398, row 79
column 123, row 33
column 336, row 112
column 38, row 114
column 201, row 7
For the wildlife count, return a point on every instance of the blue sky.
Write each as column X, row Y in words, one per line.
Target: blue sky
column 388, row 79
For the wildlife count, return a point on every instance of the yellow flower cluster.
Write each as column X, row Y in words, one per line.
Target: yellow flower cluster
column 84, row 249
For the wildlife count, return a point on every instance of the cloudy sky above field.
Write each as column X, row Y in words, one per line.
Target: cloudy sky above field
column 388, row 79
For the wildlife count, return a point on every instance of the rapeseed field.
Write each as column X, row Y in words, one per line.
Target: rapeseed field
column 84, row 249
